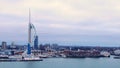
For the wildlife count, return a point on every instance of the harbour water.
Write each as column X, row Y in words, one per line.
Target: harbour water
column 65, row 63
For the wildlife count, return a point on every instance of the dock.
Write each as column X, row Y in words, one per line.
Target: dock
column 18, row 60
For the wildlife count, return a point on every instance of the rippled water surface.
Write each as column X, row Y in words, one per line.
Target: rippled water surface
column 65, row 63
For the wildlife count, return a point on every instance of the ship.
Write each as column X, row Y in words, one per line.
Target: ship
column 85, row 54
column 4, row 56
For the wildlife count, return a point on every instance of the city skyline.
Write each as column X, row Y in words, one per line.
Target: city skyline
column 67, row 22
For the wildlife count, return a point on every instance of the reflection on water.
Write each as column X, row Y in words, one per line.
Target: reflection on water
column 29, row 65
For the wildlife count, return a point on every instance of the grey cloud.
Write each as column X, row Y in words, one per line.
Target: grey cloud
column 72, row 21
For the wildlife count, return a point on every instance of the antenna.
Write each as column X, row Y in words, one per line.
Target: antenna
column 29, row 16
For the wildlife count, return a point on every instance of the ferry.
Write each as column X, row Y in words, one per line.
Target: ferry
column 4, row 57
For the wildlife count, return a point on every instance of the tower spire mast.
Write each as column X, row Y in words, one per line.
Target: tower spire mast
column 29, row 29
column 29, row 34
column 29, row 16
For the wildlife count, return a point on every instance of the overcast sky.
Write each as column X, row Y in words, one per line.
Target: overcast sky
column 68, row 22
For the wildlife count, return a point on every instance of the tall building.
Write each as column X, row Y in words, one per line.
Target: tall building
column 13, row 46
column 4, row 45
column 36, row 43
column 29, row 35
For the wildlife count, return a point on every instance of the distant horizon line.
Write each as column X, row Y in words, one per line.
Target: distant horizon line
column 71, row 45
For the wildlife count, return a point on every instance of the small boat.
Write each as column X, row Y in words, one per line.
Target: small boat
column 43, row 56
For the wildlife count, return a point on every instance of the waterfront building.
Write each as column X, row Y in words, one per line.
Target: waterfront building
column 36, row 43
column 13, row 46
column 117, row 52
column 4, row 45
